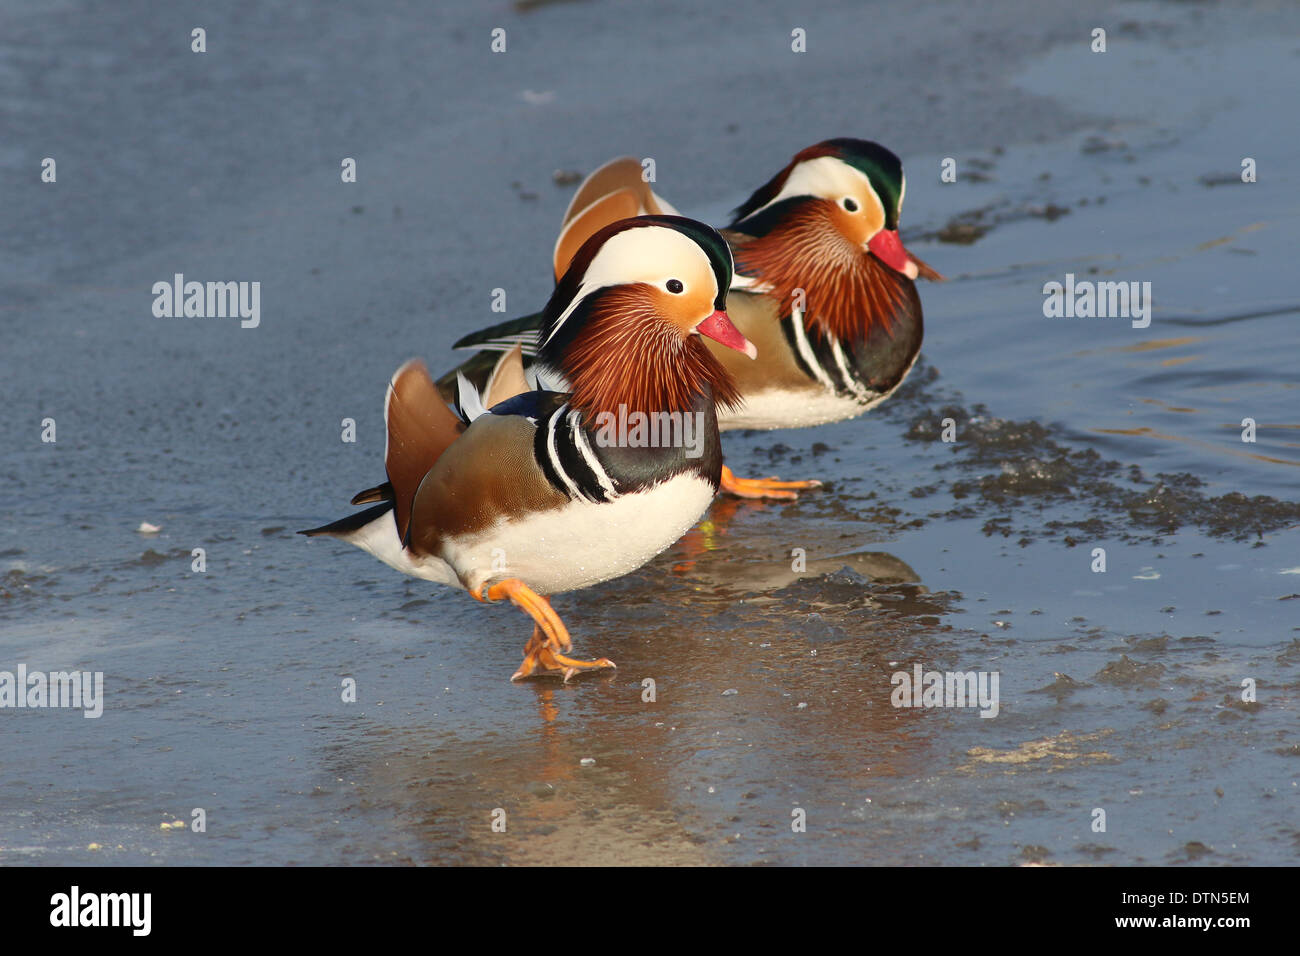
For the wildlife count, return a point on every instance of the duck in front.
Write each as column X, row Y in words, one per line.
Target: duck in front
column 587, row 466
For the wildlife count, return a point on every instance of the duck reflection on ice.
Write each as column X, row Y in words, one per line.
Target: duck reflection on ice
column 772, row 680
column 760, row 561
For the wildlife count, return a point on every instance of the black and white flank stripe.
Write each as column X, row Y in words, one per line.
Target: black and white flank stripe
column 566, row 456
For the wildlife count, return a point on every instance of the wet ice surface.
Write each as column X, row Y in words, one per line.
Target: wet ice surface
column 1119, row 691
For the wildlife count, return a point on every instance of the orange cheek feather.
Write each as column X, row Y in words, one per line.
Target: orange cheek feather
column 851, row 225
column 857, row 227
column 681, row 310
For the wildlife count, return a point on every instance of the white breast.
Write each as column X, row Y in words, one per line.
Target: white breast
column 584, row 542
column 790, row 409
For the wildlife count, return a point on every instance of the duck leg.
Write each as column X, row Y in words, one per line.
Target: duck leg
column 764, row 487
column 544, row 652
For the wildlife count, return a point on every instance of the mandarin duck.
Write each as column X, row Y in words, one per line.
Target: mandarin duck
column 823, row 287
column 528, row 490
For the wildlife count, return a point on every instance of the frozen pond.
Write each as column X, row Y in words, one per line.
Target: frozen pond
column 1119, row 691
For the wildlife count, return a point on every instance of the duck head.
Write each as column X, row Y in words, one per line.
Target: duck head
column 624, row 323
column 828, row 224
column 858, row 187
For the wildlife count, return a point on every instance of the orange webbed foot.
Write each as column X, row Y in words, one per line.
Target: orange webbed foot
column 764, row 487
column 544, row 653
column 540, row 660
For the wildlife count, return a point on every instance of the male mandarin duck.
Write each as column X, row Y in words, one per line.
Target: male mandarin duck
column 823, row 287
column 524, row 494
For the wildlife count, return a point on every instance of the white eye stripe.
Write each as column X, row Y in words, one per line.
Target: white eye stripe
column 825, row 177
column 654, row 255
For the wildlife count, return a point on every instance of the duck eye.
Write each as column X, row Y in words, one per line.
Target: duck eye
column 850, row 204
column 675, row 286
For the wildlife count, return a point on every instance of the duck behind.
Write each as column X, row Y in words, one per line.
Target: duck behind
column 823, row 286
